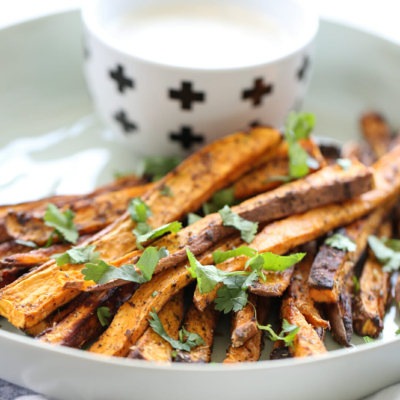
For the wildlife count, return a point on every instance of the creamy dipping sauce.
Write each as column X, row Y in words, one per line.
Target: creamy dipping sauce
column 199, row 34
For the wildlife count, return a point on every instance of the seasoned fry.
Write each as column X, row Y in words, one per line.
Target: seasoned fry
column 339, row 315
column 83, row 325
column 10, row 248
column 244, row 325
column 377, row 132
column 33, row 258
column 9, row 275
column 250, row 351
column 259, row 180
column 91, row 215
column 202, row 323
column 151, row 346
column 332, row 265
column 328, row 185
column 374, row 295
column 298, row 290
column 330, row 152
column 284, row 235
column 307, row 342
column 131, row 321
column 191, row 183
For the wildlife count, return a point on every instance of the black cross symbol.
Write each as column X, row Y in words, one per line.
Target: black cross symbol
column 122, row 118
column 186, row 137
column 301, row 73
column 122, row 81
column 258, row 92
column 186, row 95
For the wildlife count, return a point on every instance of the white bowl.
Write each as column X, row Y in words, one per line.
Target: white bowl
column 169, row 105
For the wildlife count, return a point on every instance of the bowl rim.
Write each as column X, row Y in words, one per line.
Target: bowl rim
column 93, row 27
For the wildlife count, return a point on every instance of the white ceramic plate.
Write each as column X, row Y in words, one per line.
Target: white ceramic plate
column 51, row 143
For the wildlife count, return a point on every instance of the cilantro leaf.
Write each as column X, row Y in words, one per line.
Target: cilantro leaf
column 356, row 285
column 103, row 313
column 384, row 254
column 192, row 218
column 274, row 262
column 341, row 242
column 397, row 332
column 219, row 256
column 298, row 157
column 154, row 294
column 158, row 166
column 220, row 199
column 173, row 227
column 27, row 243
column 77, row 255
column 247, row 229
column 139, row 210
column 62, row 222
column 393, row 244
column 345, row 163
column 193, row 339
column 300, row 125
column 230, row 299
column 367, row 339
column 290, row 330
column 102, row 272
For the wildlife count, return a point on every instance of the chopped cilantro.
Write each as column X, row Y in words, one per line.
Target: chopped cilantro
column 103, row 313
column 367, row 339
column 345, row 163
column 220, row 199
column 173, row 227
column 102, row 272
column 139, row 210
column 62, row 222
column 397, row 332
column 248, row 229
column 158, row 166
column 192, row 339
column 341, row 242
column 385, row 255
column 27, row 243
column 77, row 255
column 192, row 218
column 154, row 294
column 356, row 285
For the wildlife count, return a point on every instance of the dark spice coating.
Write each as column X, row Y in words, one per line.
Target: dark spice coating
column 376, row 132
column 10, row 248
column 340, row 315
column 202, row 323
column 82, row 325
column 326, row 186
column 9, row 275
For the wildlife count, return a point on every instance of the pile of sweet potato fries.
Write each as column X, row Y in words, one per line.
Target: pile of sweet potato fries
column 268, row 218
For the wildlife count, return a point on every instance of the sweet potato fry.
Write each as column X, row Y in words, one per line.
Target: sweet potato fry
column 376, row 132
column 32, row 258
column 191, row 183
column 259, row 180
column 374, row 295
column 339, row 315
column 332, row 265
column 250, row 351
column 132, row 318
column 298, row 290
column 307, row 342
column 286, row 234
column 83, row 325
column 10, row 248
column 91, row 215
column 151, row 346
column 328, row 185
column 397, row 292
column 330, row 152
column 9, row 275
column 202, row 323
column 244, row 325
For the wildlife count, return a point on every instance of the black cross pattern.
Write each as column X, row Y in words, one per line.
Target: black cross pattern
column 186, row 137
column 122, row 80
column 257, row 93
column 186, row 95
column 301, row 73
column 126, row 125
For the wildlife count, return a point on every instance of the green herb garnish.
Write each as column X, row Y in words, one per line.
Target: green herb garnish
column 77, row 255
column 219, row 200
column 27, row 243
column 367, row 339
column 192, row 218
column 103, row 313
column 341, row 242
column 158, row 166
column 385, row 255
column 345, row 163
column 62, row 222
column 356, row 285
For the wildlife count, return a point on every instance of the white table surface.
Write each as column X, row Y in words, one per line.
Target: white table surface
column 379, row 16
